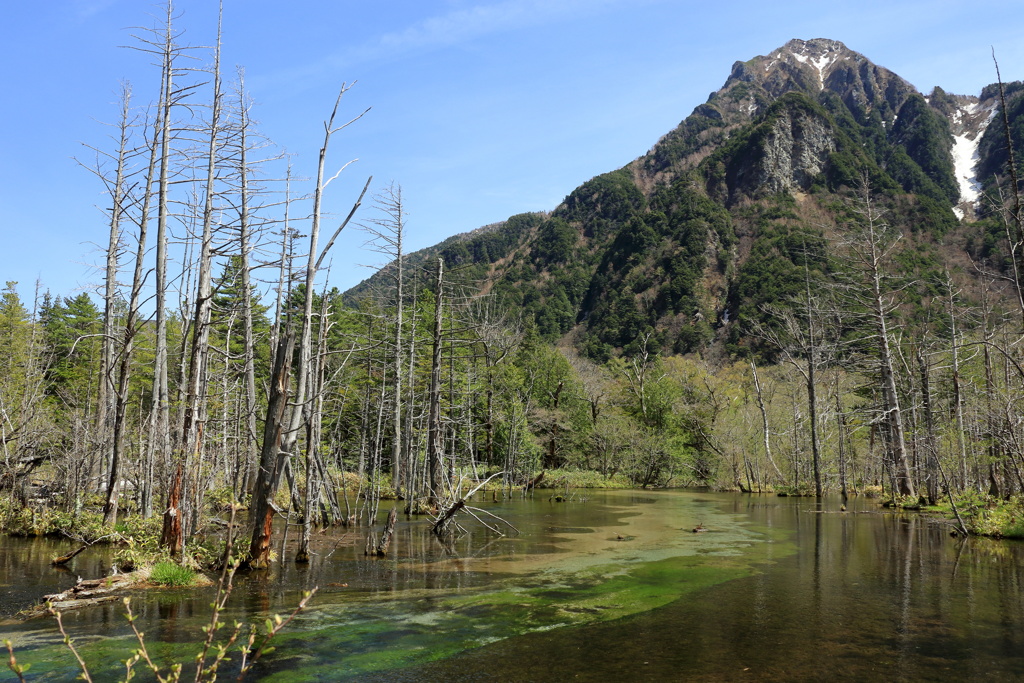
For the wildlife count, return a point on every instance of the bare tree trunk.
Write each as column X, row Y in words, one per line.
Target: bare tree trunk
column 409, row 458
column 160, row 420
column 272, row 458
column 107, row 395
column 765, row 430
column 195, row 392
column 1015, row 223
column 262, row 526
column 841, row 438
column 931, row 440
column 435, row 457
column 249, row 343
column 387, row 234
column 812, row 384
column 879, row 311
column 551, row 460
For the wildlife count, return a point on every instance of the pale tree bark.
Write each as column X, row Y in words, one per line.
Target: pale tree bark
column 245, row 249
column 107, row 389
column 765, row 428
column 131, row 329
column 162, row 44
column 195, row 392
column 271, row 465
column 386, row 237
column 958, row 401
column 811, row 377
column 159, row 433
column 435, row 451
column 498, row 337
column 107, row 385
column 803, row 344
column 870, row 252
column 269, row 478
column 1014, row 223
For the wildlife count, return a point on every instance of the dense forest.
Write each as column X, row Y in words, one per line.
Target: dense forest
column 697, row 318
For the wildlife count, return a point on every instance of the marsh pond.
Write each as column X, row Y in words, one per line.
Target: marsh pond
column 611, row 585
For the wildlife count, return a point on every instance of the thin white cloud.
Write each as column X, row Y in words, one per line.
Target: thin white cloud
column 85, row 9
column 454, row 27
column 481, row 20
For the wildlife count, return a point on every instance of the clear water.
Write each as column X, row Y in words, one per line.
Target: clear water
column 606, row 586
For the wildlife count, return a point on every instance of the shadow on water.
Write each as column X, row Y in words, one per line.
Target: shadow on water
column 614, row 587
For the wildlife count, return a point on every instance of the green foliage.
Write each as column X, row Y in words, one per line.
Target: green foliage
column 140, row 542
column 783, row 257
column 992, row 152
column 554, row 242
column 171, row 574
column 602, row 203
column 705, row 127
column 573, row 478
column 987, row 245
column 228, row 314
column 15, row 333
column 71, row 331
column 921, row 137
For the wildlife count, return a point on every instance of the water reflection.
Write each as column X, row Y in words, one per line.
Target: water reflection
column 815, row 593
column 867, row 596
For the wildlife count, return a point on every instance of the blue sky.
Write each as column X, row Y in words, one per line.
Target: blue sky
column 480, row 109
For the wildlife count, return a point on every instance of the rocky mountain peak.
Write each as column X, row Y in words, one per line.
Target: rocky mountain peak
column 714, row 217
column 817, row 65
column 821, row 54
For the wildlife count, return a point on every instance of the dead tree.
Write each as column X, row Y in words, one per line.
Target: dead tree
column 435, row 456
column 195, row 392
column 291, row 422
column 444, row 522
column 272, row 458
column 869, row 249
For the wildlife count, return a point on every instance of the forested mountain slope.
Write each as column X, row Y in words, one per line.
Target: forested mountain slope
column 684, row 246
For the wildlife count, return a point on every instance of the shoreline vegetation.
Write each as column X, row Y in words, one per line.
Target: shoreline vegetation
column 138, row 552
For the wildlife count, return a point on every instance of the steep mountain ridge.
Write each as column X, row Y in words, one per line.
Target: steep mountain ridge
column 805, row 66
column 691, row 238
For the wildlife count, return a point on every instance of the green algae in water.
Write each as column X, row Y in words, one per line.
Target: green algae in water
column 590, row 581
column 558, row 573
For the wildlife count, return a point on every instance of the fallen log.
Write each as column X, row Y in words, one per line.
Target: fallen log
column 447, row 511
column 440, row 525
column 64, row 559
column 68, row 605
column 86, row 593
column 532, row 484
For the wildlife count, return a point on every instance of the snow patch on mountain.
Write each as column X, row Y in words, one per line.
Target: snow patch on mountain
column 821, row 63
column 965, row 155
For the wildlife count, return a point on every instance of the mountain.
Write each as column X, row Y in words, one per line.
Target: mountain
column 684, row 245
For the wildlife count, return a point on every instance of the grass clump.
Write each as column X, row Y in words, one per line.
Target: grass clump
column 172, row 574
